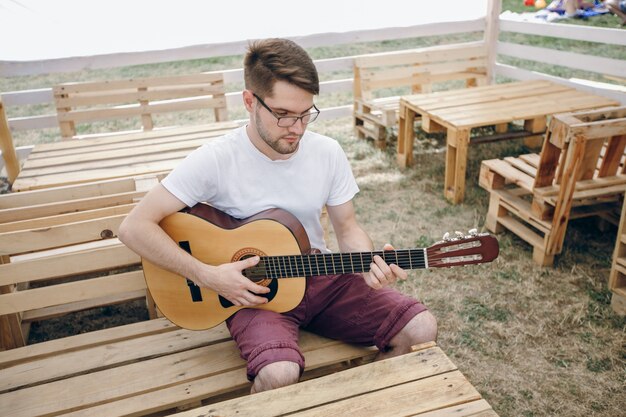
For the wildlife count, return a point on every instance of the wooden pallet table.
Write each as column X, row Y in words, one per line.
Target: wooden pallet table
column 458, row 112
column 422, row 383
column 85, row 160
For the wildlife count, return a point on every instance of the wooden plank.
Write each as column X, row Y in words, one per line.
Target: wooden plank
column 193, row 391
column 45, row 313
column 137, row 94
column 128, row 160
column 74, row 217
column 520, row 108
column 70, row 292
column 106, row 356
column 173, row 133
column 352, row 383
column 478, row 408
column 156, row 168
column 57, row 194
column 84, row 341
column 535, row 107
column 511, row 174
column 130, row 381
column 82, row 116
column 521, row 164
column 56, row 236
column 87, row 153
column 81, row 87
column 434, row 392
column 429, row 54
column 67, row 264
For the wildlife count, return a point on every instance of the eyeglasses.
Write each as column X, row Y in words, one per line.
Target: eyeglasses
column 288, row 121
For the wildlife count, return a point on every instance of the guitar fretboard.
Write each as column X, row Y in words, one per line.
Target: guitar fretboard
column 291, row 266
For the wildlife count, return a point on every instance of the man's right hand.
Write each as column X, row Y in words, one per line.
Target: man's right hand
column 228, row 281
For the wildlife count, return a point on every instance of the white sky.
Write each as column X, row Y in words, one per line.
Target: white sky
column 45, row 29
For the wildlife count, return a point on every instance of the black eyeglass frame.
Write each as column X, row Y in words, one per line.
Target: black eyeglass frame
column 312, row 115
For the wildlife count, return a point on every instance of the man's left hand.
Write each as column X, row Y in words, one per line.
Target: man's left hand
column 381, row 274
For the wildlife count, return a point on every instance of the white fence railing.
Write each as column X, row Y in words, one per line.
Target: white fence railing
column 573, row 60
column 601, row 65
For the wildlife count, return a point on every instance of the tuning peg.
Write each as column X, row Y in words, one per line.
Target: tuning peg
column 446, row 237
column 473, row 232
column 459, row 235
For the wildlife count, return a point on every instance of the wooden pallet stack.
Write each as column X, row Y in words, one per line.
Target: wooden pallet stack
column 579, row 173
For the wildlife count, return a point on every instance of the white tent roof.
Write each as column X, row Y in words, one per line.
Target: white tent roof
column 34, row 30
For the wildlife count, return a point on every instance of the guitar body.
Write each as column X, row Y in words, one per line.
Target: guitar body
column 216, row 238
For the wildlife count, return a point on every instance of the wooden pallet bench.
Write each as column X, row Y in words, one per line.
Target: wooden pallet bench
column 379, row 77
column 579, row 173
column 64, row 257
column 141, row 99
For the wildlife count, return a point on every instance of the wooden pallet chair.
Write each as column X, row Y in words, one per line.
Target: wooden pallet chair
column 579, row 173
column 138, row 98
column 379, row 77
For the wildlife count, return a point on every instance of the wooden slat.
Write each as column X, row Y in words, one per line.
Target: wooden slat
column 136, row 138
column 44, row 215
column 84, row 341
column 82, row 116
column 70, row 292
column 45, row 313
column 136, row 95
column 389, row 387
column 441, row 52
column 129, row 383
column 92, row 175
column 67, row 264
column 107, row 356
column 180, row 152
column 511, row 174
column 59, row 194
column 81, row 87
column 62, row 235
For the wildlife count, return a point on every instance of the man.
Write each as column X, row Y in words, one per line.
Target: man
column 273, row 162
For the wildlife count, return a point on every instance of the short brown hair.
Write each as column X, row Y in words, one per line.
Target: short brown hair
column 271, row 60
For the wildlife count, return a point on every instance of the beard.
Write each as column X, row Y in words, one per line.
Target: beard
column 279, row 144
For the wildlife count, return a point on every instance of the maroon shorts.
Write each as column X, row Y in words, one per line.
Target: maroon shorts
column 341, row 307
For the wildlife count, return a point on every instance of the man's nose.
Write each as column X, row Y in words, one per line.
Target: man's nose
column 298, row 127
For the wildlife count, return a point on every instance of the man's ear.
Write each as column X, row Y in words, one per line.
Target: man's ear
column 248, row 99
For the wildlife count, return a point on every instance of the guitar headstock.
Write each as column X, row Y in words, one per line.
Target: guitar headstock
column 474, row 248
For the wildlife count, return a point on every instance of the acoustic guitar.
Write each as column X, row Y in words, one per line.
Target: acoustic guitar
column 280, row 240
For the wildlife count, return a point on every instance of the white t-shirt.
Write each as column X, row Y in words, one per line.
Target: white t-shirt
column 232, row 175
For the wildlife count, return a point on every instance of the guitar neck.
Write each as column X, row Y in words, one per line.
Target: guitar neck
column 291, row 266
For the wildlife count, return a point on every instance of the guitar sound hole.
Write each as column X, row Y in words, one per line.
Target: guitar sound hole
column 273, row 286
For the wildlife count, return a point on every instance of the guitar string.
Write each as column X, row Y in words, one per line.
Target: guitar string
column 281, row 266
